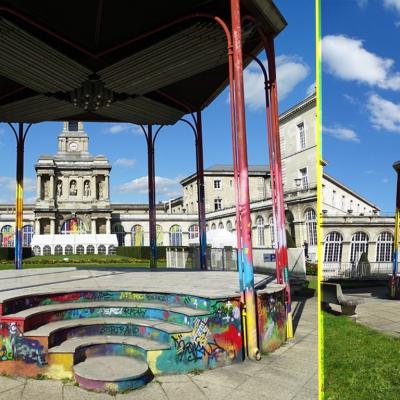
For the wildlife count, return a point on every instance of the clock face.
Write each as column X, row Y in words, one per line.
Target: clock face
column 73, row 146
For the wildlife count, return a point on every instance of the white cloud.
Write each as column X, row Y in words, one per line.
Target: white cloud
column 166, row 188
column 384, row 114
column 125, row 162
column 7, row 189
column 350, row 99
column 311, row 89
column 342, row 133
column 362, row 3
column 397, row 24
column 347, row 59
column 290, row 71
column 392, row 4
column 119, row 128
column 385, row 180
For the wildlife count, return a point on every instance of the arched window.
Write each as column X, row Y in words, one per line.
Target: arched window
column 80, row 249
column 137, row 235
column 220, row 225
column 384, row 247
column 160, row 235
column 73, row 226
column 229, row 226
column 193, row 231
column 333, row 247
column 207, row 228
column 175, row 236
column 36, row 250
column 7, row 236
column 311, row 226
column 27, row 234
column 118, row 229
column 58, row 250
column 47, row 250
column 112, row 250
column 260, row 231
column 90, row 249
column 213, row 227
column 359, row 245
column 68, row 250
column 101, row 249
column 271, row 230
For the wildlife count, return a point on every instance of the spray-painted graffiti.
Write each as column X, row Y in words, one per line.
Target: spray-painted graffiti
column 15, row 305
column 271, row 321
column 14, row 346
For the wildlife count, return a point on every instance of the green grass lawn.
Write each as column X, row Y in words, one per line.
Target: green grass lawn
column 359, row 363
column 312, row 282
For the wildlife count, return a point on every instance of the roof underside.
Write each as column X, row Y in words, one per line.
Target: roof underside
column 151, row 52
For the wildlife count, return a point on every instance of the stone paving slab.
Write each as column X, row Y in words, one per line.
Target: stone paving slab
column 211, row 284
column 290, row 373
column 377, row 312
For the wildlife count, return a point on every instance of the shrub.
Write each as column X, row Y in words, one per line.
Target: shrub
column 311, row 268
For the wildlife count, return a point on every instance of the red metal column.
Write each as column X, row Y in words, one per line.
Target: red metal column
column 244, row 194
column 152, row 197
column 200, row 192
column 277, row 184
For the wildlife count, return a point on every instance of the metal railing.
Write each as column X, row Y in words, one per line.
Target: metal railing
column 362, row 270
column 189, row 258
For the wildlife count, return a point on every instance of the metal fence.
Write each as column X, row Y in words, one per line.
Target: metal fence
column 189, row 258
column 363, row 270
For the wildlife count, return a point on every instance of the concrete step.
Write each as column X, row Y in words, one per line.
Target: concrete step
column 112, row 373
column 70, row 345
column 52, row 327
column 190, row 312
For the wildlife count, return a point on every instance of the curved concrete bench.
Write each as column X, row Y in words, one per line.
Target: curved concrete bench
column 70, row 345
column 53, row 327
column 332, row 294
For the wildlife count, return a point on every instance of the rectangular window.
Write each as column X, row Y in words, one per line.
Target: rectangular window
column 302, row 136
column 304, row 178
column 217, row 204
column 217, row 184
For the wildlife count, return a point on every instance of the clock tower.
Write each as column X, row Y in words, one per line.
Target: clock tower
column 73, row 139
column 73, row 187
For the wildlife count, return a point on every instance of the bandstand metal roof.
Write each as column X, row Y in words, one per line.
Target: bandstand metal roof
column 149, row 52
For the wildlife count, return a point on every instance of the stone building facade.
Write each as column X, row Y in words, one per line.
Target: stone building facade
column 73, row 194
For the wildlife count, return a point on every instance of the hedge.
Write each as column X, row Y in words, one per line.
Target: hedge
column 143, row 252
column 8, row 253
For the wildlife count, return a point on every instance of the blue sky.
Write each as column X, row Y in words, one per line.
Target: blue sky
column 361, row 95
column 125, row 146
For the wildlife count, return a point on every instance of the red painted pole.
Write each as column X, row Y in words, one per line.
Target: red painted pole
column 235, row 168
column 244, row 194
column 277, row 187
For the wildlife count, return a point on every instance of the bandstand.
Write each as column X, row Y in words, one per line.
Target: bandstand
column 152, row 64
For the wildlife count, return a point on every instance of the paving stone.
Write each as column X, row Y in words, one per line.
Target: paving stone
column 42, row 389
column 152, row 391
column 71, row 392
column 187, row 390
column 12, row 394
column 7, row 383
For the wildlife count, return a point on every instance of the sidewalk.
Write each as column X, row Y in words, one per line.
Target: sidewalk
column 378, row 312
column 290, row 373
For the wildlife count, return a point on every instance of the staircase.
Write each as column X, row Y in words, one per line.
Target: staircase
column 117, row 340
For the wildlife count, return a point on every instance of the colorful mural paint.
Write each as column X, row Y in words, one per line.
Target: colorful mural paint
column 15, row 305
column 271, row 321
column 14, row 346
column 206, row 341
